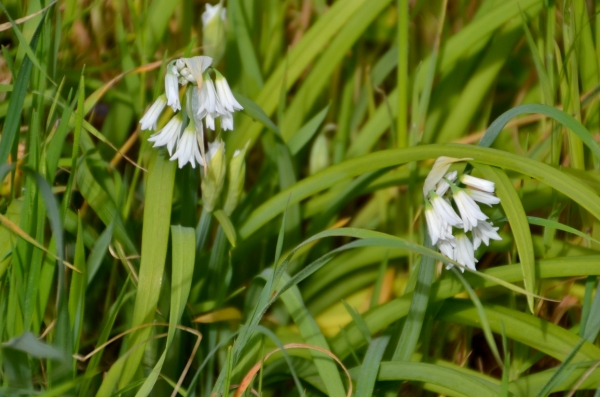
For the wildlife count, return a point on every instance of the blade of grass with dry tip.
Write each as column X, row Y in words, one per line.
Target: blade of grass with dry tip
column 513, row 208
column 184, row 253
column 155, row 234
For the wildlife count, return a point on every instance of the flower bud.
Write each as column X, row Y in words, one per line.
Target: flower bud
column 319, row 155
column 213, row 31
column 236, row 177
column 213, row 181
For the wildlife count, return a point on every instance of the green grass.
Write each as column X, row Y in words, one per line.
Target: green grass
column 124, row 275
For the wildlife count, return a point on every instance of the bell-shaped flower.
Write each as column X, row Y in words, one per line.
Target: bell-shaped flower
column 469, row 210
column 464, row 252
column 477, row 183
column 433, row 223
column 169, row 135
column 227, row 121
column 208, row 103
column 483, row 197
column 226, row 97
column 448, row 249
column 484, row 232
column 444, row 210
column 172, row 86
column 150, row 119
column 443, row 185
column 188, row 150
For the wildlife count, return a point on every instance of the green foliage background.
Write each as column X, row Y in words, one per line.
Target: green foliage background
column 114, row 279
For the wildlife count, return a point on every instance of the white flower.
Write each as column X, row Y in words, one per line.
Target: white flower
column 433, row 223
column 188, row 149
column 484, row 232
column 172, row 86
column 150, row 119
column 465, row 254
column 227, row 121
column 469, row 210
column 211, row 12
column 437, row 172
column 444, row 210
column 447, row 247
column 207, row 99
column 477, row 183
column 226, row 97
column 443, row 186
column 169, row 135
column 196, row 66
column 483, row 197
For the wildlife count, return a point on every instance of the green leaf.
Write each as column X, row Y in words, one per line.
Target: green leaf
column 256, row 113
column 301, row 138
column 157, row 217
column 565, row 119
column 365, row 383
column 511, row 203
column 227, row 226
column 15, row 106
column 184, row 253
column 31, row 345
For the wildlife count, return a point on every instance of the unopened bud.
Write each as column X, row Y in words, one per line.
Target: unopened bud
column 213, row 181
column 213, row 31
column 236, row 177
column 319, row 155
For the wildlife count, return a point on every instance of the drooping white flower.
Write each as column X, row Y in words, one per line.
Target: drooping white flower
column 464, row 252
column 443, row 185
column 188, row 150
column 150, row 119
column 444, row 210
column 227, row 121
column 477, row 183
column 433, row 223
column 484, row 232
column 469, row 210
column 438, row 171
column 208, row 103
column 447, row 248
column 226, row 97
column 483, row 197
column 169, row 135
column 172, row 86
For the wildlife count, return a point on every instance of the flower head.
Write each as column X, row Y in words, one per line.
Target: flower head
column 150, row 119
column 169, row 135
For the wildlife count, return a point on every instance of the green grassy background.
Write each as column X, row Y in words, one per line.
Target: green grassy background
column 114, row 279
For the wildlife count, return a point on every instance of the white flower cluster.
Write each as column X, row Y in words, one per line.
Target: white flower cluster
column 442, row 218
column 206, row 100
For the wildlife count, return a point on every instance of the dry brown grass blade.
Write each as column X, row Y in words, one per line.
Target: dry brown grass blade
column 21, row 233
column 8, row 25
column 254, row 370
